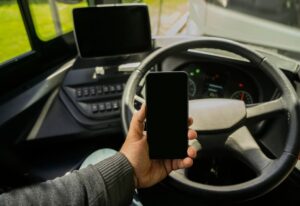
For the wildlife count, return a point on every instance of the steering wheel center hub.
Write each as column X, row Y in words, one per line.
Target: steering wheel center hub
column 216, row 114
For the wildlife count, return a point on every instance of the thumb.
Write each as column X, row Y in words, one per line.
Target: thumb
column 137, row 123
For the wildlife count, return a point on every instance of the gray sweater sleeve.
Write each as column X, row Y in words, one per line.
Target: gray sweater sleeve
column 110, row 182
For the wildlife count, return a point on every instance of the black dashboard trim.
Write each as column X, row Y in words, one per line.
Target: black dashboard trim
column 15, row 106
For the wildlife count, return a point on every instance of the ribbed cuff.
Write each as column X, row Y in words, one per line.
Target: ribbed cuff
column 117, row 173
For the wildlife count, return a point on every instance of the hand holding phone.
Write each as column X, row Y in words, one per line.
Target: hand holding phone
column 167, row 114
column 148, row 172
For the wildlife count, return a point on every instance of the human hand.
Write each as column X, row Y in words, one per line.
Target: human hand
column 148, row 172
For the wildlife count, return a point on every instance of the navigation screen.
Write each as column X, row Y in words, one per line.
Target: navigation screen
column 112, row 30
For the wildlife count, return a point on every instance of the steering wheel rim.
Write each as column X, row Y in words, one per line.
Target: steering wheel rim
column 275, row 171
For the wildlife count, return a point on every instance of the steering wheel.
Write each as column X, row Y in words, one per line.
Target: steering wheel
column 226, row 120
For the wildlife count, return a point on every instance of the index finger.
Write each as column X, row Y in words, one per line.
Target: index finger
column 141, row 114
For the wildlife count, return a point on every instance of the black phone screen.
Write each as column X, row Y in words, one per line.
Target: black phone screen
column 167, row 114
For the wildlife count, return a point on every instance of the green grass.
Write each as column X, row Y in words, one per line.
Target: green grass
column 44, row 24
column 13, row 36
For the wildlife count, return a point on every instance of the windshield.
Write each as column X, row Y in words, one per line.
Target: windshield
column 271, row 24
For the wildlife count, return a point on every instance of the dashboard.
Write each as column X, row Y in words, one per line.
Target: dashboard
column 212, row 80
column 93, row 102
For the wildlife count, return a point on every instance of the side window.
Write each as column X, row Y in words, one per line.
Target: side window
column 13, row 36
column 53, row 18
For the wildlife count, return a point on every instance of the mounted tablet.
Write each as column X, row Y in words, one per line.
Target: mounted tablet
column 112, row 30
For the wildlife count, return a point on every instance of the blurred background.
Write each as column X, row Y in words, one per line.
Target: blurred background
column 272, row 24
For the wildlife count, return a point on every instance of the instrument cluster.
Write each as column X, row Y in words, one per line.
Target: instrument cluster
column 211, row 80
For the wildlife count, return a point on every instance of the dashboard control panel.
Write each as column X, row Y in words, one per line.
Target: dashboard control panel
column 94, row 101
column 97, row 101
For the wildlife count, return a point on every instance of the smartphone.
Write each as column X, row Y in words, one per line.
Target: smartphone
column 167, row 114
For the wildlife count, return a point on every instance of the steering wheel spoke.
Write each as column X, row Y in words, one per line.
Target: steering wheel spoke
column 264, row 110
column 243, row 144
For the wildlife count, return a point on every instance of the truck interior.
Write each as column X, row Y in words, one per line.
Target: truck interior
column 72, row 73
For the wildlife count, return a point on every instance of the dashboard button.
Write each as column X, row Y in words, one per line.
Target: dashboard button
column 94, row 108
column 79, row 92
column 92, row 91
column 101, row 107
column 108, row 106
column 112, row 88
column 115, row 105
column 105, row 89
column 99, row 90
column 86, row 92
column 119, row 87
